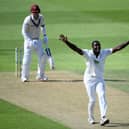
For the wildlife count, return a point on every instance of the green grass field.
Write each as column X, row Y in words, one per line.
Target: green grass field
column 82, row 21
column 13, row 117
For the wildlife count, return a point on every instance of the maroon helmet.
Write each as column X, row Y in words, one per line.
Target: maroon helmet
column 35, row 8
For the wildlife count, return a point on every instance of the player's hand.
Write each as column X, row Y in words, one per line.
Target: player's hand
column 35, row 43
column 45, row 39
column 29, row 44
column 63, row 38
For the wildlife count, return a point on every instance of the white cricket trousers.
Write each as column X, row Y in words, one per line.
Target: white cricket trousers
column 94, row 85
column 35, row 45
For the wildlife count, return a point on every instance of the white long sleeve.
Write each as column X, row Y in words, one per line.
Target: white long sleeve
column 44, row 30
column 26, row 34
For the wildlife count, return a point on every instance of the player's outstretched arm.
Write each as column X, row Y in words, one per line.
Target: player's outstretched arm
column 120, row 47
column 70, row 45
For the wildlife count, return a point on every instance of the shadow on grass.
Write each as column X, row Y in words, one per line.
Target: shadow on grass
column 78, row 80
column 116, row 80
column 63, row 80
column 117, row 125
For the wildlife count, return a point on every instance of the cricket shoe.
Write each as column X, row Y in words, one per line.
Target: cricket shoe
column 91, row 120
column 24, row 79
column 104, row 121
column 43, row 78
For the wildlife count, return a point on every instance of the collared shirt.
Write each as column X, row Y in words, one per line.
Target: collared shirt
column 31, row 28
column 95, row 66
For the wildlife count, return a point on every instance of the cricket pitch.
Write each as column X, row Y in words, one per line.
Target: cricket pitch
column 63, row 98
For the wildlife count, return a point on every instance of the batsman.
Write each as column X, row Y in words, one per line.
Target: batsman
column 32, row 26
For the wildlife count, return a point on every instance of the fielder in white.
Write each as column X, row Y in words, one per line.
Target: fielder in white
column 31, row 28
column 93, row 76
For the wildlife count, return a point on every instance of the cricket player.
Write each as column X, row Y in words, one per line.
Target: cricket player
column 31, row 28
column 93, row 76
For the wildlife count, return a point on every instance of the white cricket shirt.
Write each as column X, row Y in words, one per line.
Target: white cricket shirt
column 31, row 28
column 95, row 66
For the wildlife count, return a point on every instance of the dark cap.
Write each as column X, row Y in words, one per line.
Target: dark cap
column 35, row 8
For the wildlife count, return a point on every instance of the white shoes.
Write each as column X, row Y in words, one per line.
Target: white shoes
column 104, row 121
column 44, row 78
column 24, row 79
column 91, row 120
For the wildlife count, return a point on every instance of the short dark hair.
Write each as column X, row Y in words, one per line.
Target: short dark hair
column 95, row 41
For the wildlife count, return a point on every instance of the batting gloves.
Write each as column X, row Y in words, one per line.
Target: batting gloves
column 45, row 39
